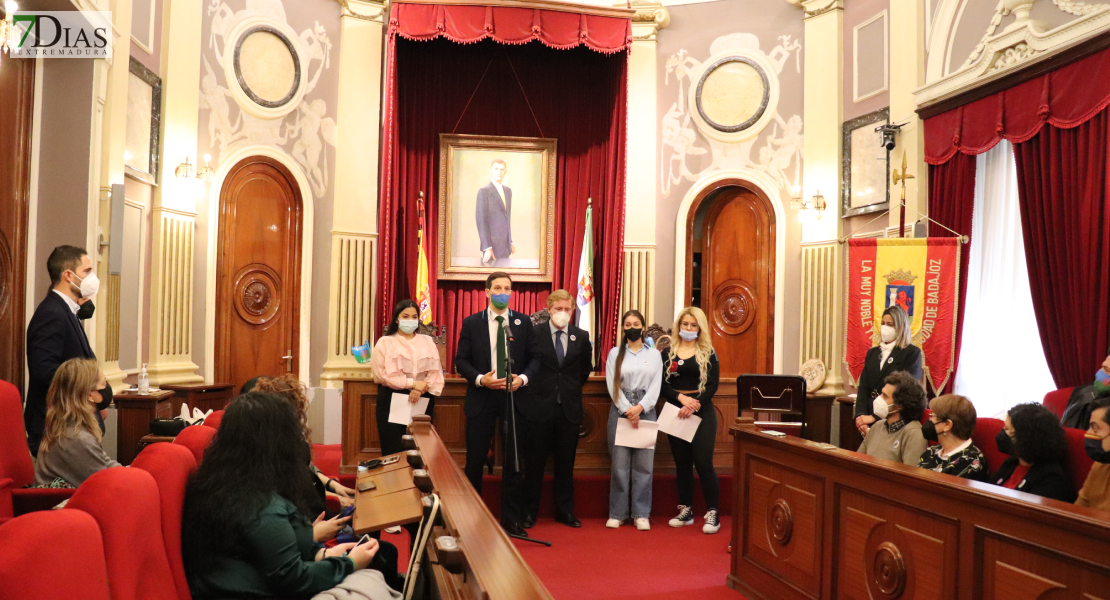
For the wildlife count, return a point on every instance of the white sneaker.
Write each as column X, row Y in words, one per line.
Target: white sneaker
column 394, row 530
column 613, row 523
column 643, row 524
column 685, row 517
column 712, row 523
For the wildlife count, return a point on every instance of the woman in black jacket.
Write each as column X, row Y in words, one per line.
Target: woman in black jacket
column 895, row 352
column 1037, row 447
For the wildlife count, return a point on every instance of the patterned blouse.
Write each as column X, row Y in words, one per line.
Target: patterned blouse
column 967, row 462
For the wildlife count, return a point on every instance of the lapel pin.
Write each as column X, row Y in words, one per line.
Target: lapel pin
column 516, row 322
column 888, row 361
column 897, row 443
column 572, row 338
column 681, row 362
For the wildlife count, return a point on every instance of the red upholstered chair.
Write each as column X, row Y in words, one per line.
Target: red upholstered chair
column 1078, row 463
column 124, row 502
column 52, row 555
column 986, row 429
column 1057, row 401
column 6, row 510
column 196, row 439
column 15, row 459
column 214, row 419
column 170, row 465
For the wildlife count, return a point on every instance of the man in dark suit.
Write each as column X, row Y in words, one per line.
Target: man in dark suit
column 487, row 338
column 494, row 215
column 55, row 335
column 555, row 412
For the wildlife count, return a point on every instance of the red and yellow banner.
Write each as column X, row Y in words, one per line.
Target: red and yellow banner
column 922, row 275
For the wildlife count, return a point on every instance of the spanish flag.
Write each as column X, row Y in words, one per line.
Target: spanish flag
column 423, row 292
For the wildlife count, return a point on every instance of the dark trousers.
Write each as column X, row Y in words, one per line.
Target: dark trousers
column 479, row 436
column 390, row 433
column 558, row 436
column 698, row 454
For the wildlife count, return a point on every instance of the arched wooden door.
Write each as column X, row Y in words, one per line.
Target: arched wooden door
column 731, row 262
column 258, row 286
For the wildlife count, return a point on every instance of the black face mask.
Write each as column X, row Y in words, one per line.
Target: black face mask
column 86, row 311
column 633, row 334
column 1004, row 442
column 929, row 430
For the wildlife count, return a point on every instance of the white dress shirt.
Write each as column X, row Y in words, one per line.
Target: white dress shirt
column 641, row 371
column 555, row 339
column 491, row 318
column 500, row 192
column 73, row 306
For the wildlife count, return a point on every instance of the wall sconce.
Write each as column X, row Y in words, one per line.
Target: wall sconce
column 186, row 171
column 808, row 210
column 7, row 30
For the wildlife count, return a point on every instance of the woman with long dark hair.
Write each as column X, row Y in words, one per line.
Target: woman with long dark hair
column 404, row 362
column 633, row 373
column 247, row 522
column 1038, row 447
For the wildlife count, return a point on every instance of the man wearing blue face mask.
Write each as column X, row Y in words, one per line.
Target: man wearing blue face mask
column 1096, row 489
column 487, row 341
column 56, row 335
column 1077, row 414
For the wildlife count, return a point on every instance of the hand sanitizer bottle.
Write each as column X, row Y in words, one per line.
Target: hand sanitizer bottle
column 144, row 381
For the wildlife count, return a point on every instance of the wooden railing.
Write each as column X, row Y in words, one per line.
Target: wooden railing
column 479, row 561
column 813, row 521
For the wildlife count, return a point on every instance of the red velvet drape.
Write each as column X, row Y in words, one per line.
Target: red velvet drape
column 1065, row 219
column 951, row 200
column 577, row 95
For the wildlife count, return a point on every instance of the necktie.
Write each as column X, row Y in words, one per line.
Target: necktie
column 500, row 347
column 559, row 353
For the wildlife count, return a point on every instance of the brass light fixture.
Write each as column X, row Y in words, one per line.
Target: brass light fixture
column 186, row 171
column 808, row 210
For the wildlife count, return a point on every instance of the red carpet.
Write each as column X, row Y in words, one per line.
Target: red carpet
column 606, row 564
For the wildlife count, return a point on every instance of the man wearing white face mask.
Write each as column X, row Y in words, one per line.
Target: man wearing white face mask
column 897, row 436
column 55, row 335
column 895, row 352
column 554, row 411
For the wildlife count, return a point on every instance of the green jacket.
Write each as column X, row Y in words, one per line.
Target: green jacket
column 276, row 561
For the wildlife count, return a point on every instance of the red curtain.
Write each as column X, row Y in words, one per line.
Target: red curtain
column 577, row 96
column 951, row 200
column 1065, row 219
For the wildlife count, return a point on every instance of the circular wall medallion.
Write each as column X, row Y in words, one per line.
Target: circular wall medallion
column 734, row 307
column 256, row 294
column 732, row 94
column 813, row 371
column 888, row 571
column 780, row 521
column 267, row 67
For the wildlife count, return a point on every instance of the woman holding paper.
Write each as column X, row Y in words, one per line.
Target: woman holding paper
column 690, row 381
column 633, row 373
column 404, row 362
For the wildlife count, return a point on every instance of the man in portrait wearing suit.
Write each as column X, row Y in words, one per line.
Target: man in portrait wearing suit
column 555, row 411
column 56, row 335
column 486, row 340
column 494, row 215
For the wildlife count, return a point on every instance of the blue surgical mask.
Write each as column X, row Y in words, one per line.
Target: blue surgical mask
column 408, row 325
column 500, row 301
column 1102, row 380
column 689, row 336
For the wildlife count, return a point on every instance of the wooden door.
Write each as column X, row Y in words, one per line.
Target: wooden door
column 17, row 78
column 258, row 273
column 738, row 279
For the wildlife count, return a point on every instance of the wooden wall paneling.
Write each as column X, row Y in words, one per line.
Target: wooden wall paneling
column 17, row 78
column 205, row 397
column 887, row 530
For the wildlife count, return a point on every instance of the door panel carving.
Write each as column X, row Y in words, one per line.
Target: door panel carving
column 258, row 273
column 785, row 525
column 1017, row 570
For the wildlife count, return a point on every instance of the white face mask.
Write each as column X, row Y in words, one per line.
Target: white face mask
column 689, row 336
column 89, row 285
column 880, row 408
column 408, row 325
column 888, row 333
column 560, row 319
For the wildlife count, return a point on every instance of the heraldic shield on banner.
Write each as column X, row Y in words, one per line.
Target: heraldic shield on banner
column 920, row 275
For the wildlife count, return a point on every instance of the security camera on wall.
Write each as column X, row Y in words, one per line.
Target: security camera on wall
column 888, row 134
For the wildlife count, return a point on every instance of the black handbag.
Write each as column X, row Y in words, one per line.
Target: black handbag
column 167, row 427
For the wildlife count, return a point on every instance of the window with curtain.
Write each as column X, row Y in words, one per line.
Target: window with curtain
column 1002, row 361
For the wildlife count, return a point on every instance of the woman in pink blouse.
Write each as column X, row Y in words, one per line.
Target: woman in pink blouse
column 404, row 362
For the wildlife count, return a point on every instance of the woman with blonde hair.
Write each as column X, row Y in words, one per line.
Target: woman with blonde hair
column 894, row 353
column 70, row 449
column 691, row 374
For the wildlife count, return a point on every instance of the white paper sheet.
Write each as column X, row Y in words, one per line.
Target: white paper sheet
column 680, row 428
column 401, row 412
column 642, row 437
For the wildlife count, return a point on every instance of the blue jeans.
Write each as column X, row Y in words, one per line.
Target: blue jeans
column 636, row 463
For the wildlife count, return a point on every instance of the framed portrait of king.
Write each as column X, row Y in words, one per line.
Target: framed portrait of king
column 496, row 207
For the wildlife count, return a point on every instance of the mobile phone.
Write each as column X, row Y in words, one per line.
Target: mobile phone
column 390, row 460
column 360, row 542
column 347, row 511
column 366, row 486
column 775, row 433
column 373, row 463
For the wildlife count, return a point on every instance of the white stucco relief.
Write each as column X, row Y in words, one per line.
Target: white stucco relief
column 681, row 138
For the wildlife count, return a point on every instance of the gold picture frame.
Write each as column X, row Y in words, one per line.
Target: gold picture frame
column 496, row 207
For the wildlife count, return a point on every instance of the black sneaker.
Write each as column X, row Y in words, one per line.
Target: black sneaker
column 712, row 523
column 685, row 517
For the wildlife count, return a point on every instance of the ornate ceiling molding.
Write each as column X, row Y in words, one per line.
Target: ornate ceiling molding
column 816, row 8
column 365, row 10
column 649, row 18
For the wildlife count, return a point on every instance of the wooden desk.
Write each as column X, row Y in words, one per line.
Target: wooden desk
column 134, row 412
column 850, row 437
column 394, row 501
column 487, row 565
column 204, row 397
column 816, row 522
